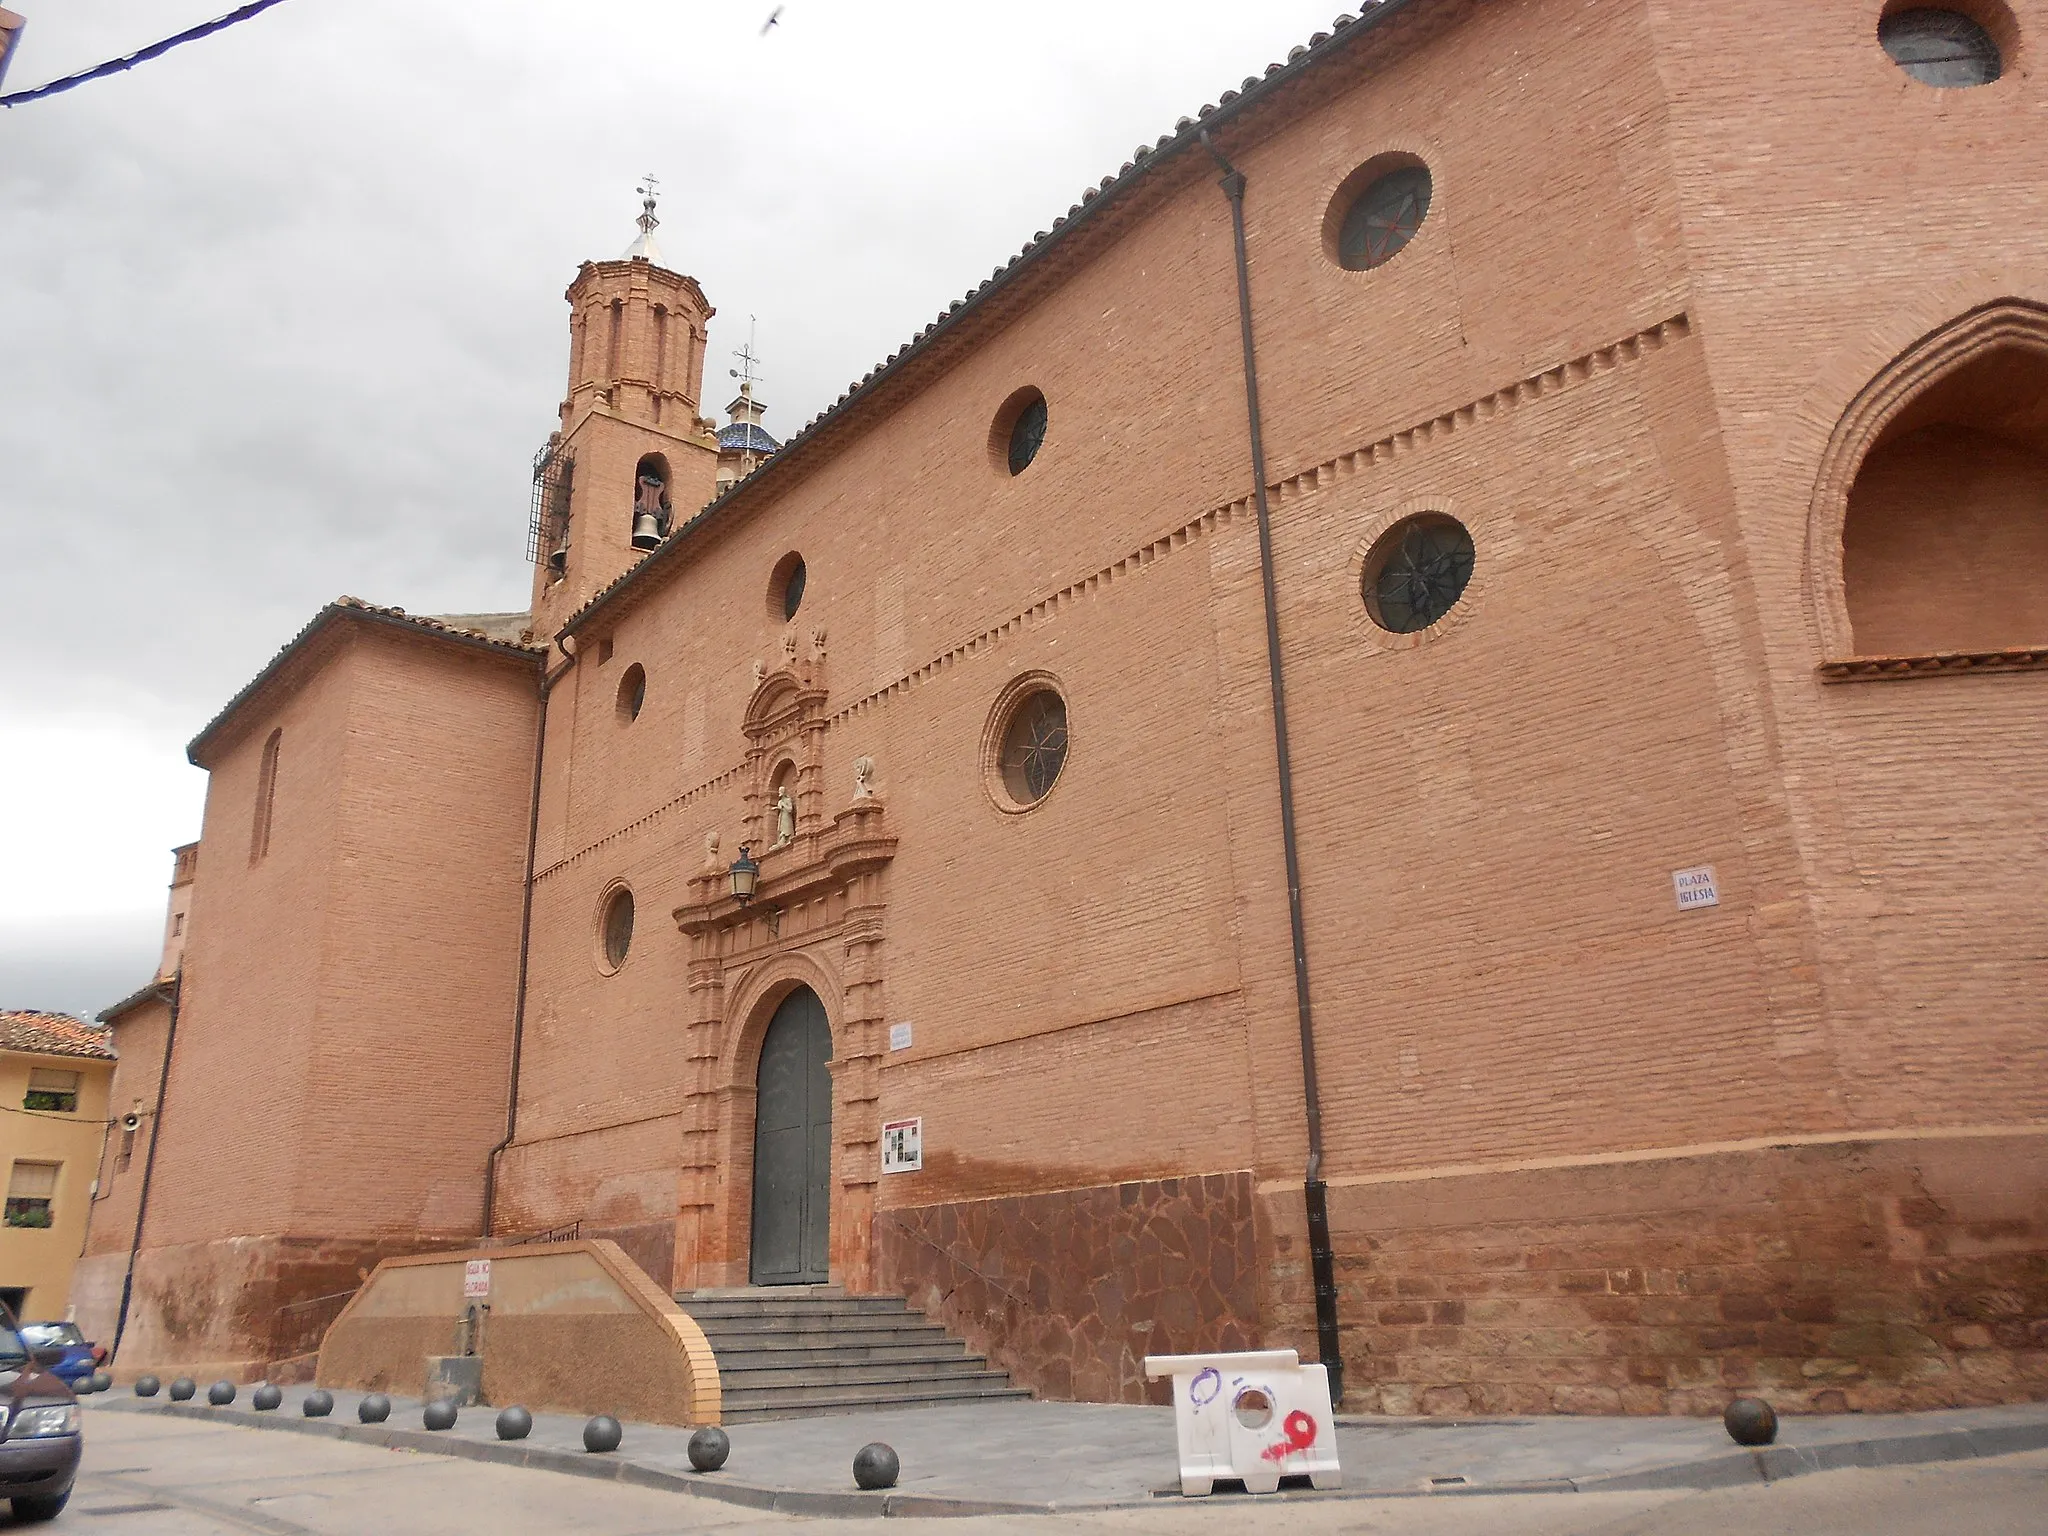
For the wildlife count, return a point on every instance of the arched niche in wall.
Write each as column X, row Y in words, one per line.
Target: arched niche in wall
column 1929, row 528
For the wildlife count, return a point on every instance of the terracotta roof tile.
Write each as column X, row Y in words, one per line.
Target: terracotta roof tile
column 53, row 1034
column 473, row 629
column 1112, row 189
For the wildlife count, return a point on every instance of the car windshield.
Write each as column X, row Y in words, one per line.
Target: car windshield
column 12, row 1355
column 43, row 1335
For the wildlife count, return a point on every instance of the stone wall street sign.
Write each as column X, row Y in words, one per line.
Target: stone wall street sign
column 476, row 1279
column 1695, row 887
column 903, row 1146
column 900, row 1036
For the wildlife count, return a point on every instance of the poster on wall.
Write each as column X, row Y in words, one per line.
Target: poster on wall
column 903, row 1146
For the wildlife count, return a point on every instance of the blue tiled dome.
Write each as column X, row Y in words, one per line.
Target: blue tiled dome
column 745, row 437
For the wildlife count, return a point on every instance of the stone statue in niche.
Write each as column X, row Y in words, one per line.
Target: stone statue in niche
column 711, row 849
column 785, row 817
column 863, row 778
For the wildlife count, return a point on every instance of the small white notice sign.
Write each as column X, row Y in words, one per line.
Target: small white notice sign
column 1695, row 887
column 903, row 1146
column 476, row 1279
column 899, row 1036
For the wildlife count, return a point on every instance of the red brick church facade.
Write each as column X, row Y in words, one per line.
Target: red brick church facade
column 1653, row 419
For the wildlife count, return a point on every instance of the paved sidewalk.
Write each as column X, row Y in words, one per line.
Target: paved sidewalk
column 1022, row 1457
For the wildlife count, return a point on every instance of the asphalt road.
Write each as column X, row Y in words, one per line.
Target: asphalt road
column 148, row 1476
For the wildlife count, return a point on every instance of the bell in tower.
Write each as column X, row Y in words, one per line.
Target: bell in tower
column 632, row 446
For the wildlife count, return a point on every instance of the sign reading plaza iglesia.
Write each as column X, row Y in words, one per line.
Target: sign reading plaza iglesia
column 476, row 1279
column 1695, row 887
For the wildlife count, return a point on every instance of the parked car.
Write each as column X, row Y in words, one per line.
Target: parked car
column 81, row 1356
column 40, row 1439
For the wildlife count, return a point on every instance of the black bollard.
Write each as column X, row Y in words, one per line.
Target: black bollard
column 1751, row 1421
column 221, row 1393
column 318, row 1404
column 265, row 1398
column 514, row 1423
column 602, row 1434
column 439, row 1414
column 147, row 1386
column 103, row 1381
column 183, row 1388
column 374, row 1409
column 708, row 1448
column 875, row 1465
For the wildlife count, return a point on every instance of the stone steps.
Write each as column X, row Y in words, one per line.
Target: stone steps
column 790, row 1350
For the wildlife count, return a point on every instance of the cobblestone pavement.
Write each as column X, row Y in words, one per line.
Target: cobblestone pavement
column 151, row 1475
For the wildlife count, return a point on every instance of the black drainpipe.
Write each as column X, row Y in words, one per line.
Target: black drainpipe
column 540, row 741
column 156, row 1126
column 1315, row 1193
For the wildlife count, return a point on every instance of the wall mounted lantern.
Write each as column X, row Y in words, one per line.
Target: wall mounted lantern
column 745, row 873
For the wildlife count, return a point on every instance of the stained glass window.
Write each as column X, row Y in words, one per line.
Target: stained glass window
column 1417, row 572
column 1027, row 433
column 1384, row 218
column 1034, row 746
column 1940, row 47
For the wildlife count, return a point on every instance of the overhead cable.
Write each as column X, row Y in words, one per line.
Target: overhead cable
column 154, row 50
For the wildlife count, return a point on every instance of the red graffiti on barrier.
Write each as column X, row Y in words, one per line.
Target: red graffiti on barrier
column 1300, row 1430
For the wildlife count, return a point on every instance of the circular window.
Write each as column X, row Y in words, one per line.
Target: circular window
column 617, row 927
column 632, row 693
column 786, row 587
column 1382, row 218
column 1417, row 572
column 1940, row 47
column 1019, row 431
column 1033, row 745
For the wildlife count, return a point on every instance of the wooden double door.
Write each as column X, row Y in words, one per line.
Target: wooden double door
column 793, row 1146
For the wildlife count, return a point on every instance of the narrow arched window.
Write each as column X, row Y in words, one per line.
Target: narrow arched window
column 266, row 797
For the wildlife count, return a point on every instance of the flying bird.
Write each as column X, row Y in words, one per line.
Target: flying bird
column 773, row 17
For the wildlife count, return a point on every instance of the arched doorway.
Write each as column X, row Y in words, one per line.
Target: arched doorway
column 793, row 1146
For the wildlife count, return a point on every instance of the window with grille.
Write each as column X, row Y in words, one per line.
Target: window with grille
column 30, row 1189
column 51, row 1089
column 1940, row 47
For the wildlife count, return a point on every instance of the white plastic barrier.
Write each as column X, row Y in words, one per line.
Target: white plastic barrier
column 1258, row 1416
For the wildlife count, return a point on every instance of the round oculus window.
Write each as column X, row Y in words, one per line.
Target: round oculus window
column 793, row 592
column 618, row 927
column 1940, row 47
column 632, row 692
column 1027, row 433
column 1384, row 218
column 1417, row 572
column 1034, row 746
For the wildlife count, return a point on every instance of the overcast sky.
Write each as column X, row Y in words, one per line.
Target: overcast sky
column 281, row 318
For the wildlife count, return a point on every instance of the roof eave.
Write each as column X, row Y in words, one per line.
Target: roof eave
column 359, row 613
column 1186, row 138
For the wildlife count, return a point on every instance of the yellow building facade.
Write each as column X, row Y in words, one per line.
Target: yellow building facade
column 55, row 1072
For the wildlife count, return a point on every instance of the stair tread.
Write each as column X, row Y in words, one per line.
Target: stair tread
column 784, row 1353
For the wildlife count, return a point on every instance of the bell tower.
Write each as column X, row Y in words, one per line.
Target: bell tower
column 633, row 459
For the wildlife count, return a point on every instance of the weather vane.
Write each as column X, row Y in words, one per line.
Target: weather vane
column 748, row 358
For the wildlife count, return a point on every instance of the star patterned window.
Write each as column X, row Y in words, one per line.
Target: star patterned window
column 1034, row 747
column 1384, row 218
column 1940, row 47
column 1417, row 572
